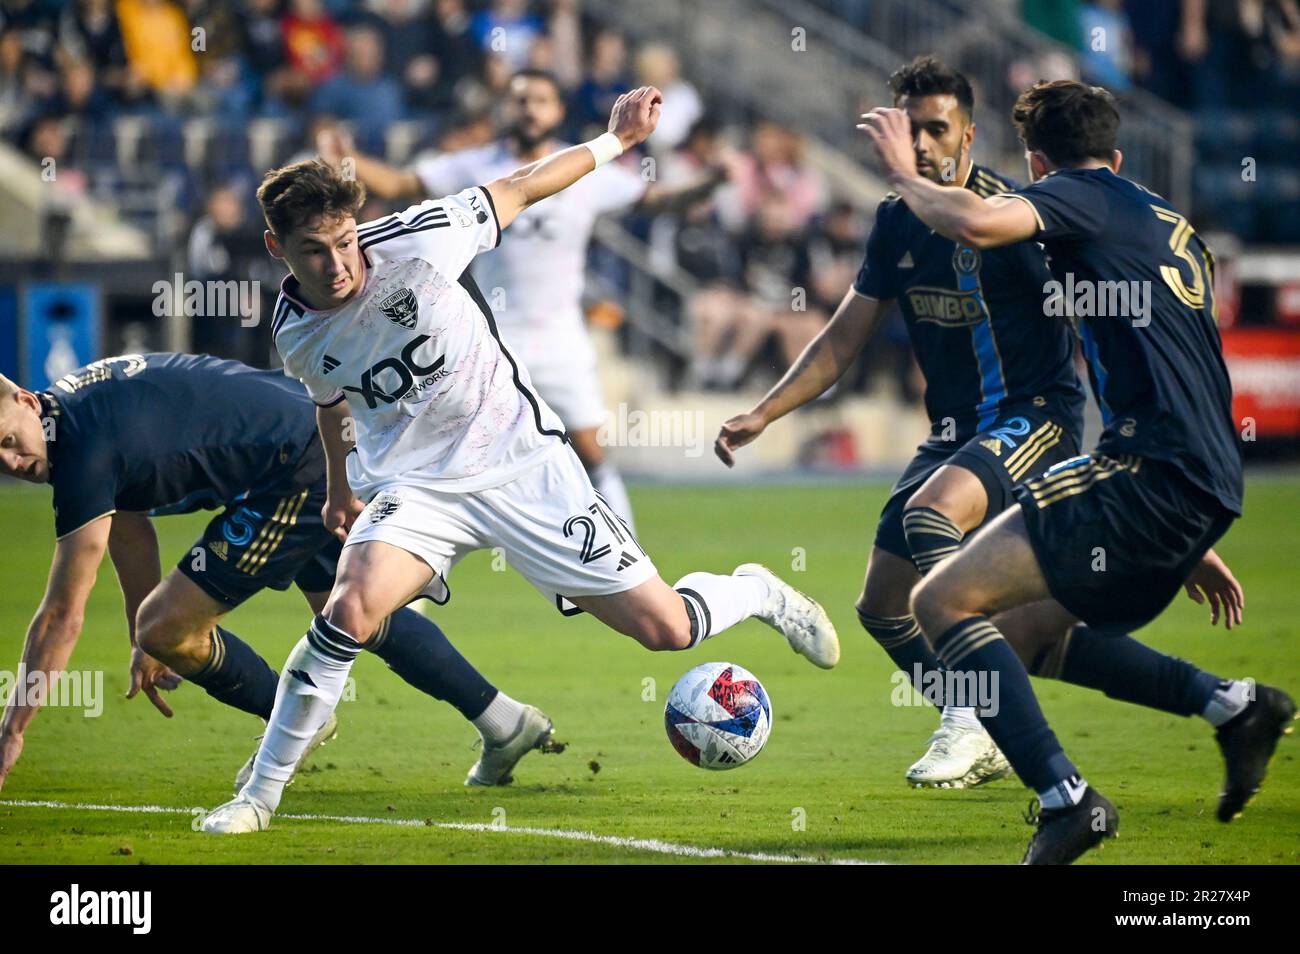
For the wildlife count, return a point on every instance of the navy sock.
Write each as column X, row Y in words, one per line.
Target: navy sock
column 1125, row 669
column 1014, row 718
column 931, row 537
column 902, row 639
column 236, row 675
column 418, row 651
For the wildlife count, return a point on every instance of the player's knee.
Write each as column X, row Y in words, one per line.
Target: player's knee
column 664, row 633
column 347, row 611
column 157, row 631
column 930, row 600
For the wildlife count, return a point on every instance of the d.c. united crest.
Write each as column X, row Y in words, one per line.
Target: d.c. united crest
column 401, row 307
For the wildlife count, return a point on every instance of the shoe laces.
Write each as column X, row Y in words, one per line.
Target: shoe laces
column 1033, row 812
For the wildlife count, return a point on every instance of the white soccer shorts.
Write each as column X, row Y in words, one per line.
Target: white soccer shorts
column 550, row 523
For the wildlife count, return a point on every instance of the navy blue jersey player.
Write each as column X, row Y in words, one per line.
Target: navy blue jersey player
column 127, row 437
column 1002, row 395
column 1109, row 538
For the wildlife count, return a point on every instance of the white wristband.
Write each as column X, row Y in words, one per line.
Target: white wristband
column 605, row 148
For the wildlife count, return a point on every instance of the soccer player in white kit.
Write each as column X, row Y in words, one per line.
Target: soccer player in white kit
column 454, row 451
column 534, row 283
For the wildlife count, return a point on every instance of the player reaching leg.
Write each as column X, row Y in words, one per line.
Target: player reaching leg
column 1163, row 485
column 454, row 450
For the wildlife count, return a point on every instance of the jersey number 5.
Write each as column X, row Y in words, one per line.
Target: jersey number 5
column 1193, row 297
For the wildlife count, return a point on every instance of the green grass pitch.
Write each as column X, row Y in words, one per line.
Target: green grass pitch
column 828, row 785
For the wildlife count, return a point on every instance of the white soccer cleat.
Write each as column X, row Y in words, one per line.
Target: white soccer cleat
column 495, row 765
column 238, row 816
column 960, row 756
column 327, row 732
column 799, row 618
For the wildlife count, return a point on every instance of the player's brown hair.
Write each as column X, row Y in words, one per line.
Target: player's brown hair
column 296, row 194
column 1068, row 121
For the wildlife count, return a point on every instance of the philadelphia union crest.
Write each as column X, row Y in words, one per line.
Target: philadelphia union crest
column 401, row 308
column 965, row 260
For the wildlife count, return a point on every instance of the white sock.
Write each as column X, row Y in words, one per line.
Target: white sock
column 962, row 715
column 311, row 685
column 609, row 483
column 1229, row 700
column 717, row 602
column 500, row 719
column 1064, row 793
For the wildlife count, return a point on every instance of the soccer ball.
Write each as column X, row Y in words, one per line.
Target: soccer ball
column 718, row 716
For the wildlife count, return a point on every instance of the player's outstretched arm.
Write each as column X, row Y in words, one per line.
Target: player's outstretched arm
column 336, row 425
column 379, row 178
column 958, row 214
column 822, row 363
column 632, row 120
column 53, row 631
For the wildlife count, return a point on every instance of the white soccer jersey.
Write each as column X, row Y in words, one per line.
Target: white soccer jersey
column 534, row 282
column 433, row 392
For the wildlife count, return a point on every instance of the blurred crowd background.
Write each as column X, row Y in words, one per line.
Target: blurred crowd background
column 168, row 112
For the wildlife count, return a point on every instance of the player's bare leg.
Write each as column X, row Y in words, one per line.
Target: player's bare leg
column 179, row 625
column 994, row 572
column 702, row 605
column 604, row 475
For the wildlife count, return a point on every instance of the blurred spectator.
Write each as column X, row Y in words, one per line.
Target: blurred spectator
column 156, row 35
column 776, row 164
column 1106, row 44
column 225, row 244
column 408, row 30
column 88, row 31
column 507, row 30
column 460, row 61
column 606, row 80
column 1156, row 65
column 16, row 98
column 79, row 96
column 835, row 250
column 46, row 142
column 777, row 268
column 657, row 65
column 362, row 95
column 313, row 43
column 261, row 36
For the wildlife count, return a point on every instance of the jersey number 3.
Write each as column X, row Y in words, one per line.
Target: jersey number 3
column 1194, row 296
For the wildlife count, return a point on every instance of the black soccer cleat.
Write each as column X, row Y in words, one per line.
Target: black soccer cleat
column 1063, row 834
column 1248, row 741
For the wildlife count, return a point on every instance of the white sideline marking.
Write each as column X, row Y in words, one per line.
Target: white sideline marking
column 616, row 841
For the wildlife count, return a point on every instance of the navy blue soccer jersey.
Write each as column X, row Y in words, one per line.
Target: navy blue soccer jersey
column 176, row 433
column 976, row 318
column 1157, row 365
